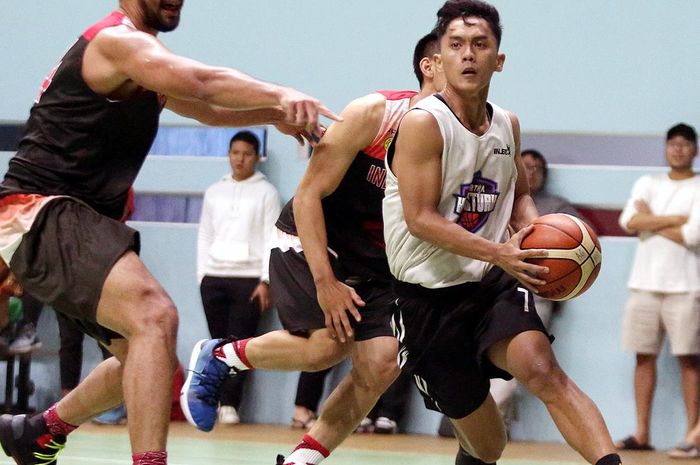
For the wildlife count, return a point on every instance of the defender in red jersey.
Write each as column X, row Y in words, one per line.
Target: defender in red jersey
column 329, row 276
column 88, row 133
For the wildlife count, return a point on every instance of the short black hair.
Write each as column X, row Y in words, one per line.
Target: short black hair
column 685, row 131
column 426, row 47
column 463, row 8
column 537, row 155
column 246, row 136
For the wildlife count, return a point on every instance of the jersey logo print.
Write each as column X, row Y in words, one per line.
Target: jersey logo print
column 47, row 82
column 475, row 202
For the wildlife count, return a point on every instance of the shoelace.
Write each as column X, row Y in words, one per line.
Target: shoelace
column 49, row 458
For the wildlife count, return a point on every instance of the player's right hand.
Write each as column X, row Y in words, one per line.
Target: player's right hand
column 337, row 299
column 511, row 259
column 303, row 111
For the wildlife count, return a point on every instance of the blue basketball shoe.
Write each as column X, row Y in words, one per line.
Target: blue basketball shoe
column 199, row 397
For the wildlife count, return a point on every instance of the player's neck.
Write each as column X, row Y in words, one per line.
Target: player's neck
column 470, row 109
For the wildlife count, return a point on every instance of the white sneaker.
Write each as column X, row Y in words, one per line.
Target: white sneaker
column 384, row 425
column 228, row 415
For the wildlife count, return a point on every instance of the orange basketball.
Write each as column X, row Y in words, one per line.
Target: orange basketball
column 574, row 257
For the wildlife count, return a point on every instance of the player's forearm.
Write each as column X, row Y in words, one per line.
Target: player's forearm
column 311, row 227
column 650, row 222
column 442, row 233
column 238, row 118
column 524, row 212
column 232, row 89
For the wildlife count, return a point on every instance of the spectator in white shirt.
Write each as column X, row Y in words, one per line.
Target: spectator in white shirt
column 238, row 216
column 664, row 283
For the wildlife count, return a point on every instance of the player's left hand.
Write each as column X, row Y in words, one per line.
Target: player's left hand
column 262, row 294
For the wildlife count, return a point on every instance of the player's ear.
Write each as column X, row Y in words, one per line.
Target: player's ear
column 500, row 61
column 426, row 67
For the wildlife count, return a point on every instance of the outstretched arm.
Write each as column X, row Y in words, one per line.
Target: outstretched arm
column 120, row 55
column 417, row 165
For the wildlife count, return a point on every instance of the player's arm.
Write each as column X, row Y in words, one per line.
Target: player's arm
column 524, row 209
column 212, row 115
column 329, row 163
column 117, row 55
column 417, row 165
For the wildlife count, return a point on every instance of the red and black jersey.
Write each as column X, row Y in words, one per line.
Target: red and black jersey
column 79, row 143
column 353, row 213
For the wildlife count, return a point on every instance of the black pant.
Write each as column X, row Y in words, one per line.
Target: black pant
column 70, row 354
column 230, row 312
column 310, row 389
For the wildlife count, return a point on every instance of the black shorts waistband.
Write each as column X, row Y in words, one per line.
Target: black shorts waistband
column 410, row 290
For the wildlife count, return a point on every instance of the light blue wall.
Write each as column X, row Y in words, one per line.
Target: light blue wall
column 581, row 67
column 623, row 67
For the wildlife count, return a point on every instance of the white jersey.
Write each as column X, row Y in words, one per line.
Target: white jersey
column 478, row 189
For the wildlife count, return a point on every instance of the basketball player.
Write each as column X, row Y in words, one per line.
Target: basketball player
column 464, row 312
column 329, row 277
column 87, row 135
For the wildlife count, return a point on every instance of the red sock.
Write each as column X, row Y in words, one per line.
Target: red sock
column 54, row 423
column 233, row 354
column 308, row 452
column 151, row 458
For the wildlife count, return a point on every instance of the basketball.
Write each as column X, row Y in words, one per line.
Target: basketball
column 575, row 255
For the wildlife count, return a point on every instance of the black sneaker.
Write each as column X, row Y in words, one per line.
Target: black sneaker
column 28, row 441
column 280, row 459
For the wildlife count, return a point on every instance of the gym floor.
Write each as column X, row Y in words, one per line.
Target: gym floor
column 259, row 445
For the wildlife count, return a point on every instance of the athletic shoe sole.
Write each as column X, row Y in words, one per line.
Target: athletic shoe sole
column 184, row 405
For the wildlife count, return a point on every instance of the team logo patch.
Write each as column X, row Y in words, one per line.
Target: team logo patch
column 475, row 202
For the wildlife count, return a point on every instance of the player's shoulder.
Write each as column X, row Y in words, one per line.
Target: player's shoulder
column 368, row 108
column 122, row 38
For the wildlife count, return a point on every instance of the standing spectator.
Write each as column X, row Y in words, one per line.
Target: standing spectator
column 664, row 283
column 238, row 217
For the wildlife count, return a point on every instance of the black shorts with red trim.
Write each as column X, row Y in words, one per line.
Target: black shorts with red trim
column 65, row 257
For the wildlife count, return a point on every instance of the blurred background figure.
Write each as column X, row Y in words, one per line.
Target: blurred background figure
column 238, row 217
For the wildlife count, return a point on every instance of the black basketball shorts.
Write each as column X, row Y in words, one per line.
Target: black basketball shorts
column 293, row 293
column 444, row 335
column 65, row 257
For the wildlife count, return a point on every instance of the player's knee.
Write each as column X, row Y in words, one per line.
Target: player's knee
column 159, row 316
column 377, row 375
column 544, row 378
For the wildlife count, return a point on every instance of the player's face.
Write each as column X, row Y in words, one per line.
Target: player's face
column 534, row 171
column 243, row 159
column 680, row 153
column 469, row 54
column 161, row 15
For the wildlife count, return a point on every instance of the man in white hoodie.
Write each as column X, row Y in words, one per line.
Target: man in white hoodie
column 238, row 216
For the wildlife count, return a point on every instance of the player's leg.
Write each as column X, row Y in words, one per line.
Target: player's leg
column 101, row 390
column 304, row 345
column 481, row 434
column 374, row 369
column 528, row 356
column 133, row 304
